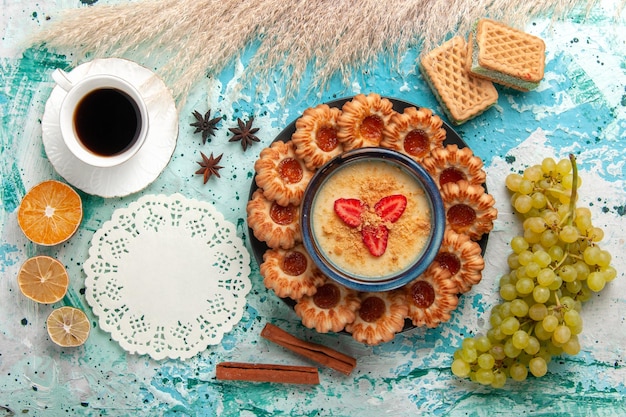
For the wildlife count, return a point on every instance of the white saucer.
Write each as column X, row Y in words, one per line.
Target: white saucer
column 143, row 168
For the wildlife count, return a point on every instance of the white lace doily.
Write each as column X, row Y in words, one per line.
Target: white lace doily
column 167, row 276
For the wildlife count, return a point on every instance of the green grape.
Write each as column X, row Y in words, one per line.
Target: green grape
column 533, row 345
column 541, row 294
column 469, row 355
column 484, row 376
column 572, row 346
column 556, row 284
column 496, row 334
column 513, row 261
column 519, row 308
column 569, row 303
column 591, row 255
column 582, row 270
column 533, row 173
column 604, row 258
column 546, row 277
column 583, row 222
column 509, row 325
column 584, row 294
column 568, row 273
column 542, row 258
column 497, row 351
column 508, row 292
column 519, row 244
column 518, row 371
column 573, row 287
column 510, row 350
column 523, row 203
column 561, row 334
column 549, row 238
column 549, row 323
column 548, row 165
column 525, row 257
column 486, row 361
column 531, row 236
column 554, row 266
column 563, row 211
column 538, row 366
column 519, row 274
column 564, row 199
column 499, row 379
column 556, row 252
column 505, row 309
column 572, row 318
column 520, row 339
column 595, row 234
column 505, row 279
column 526, row 186
column 551, row 218
column 563, row 167
column 609, row 273
column 576, row 329
column 539, row 200
column 482, row 344
column 524, row 286
column 535, row 224
column 554, row 348
column 568, row 234
column 468, row 343
column 595, row 281
column 538, row 311
column 533, row 269
column 567, row 181
column 513, row 181
column 460, row 368
column 495, row 319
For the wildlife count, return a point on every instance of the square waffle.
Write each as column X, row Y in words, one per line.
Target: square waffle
column 461, row 95
column 505, row 55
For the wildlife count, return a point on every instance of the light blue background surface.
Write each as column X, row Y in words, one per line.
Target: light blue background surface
column 580, row 107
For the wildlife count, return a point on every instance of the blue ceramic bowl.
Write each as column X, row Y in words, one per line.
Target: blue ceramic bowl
column 392, row 280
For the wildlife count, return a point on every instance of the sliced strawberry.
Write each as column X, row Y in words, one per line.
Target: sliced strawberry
column 349, row 210
column 375, row 239
column 390, row 208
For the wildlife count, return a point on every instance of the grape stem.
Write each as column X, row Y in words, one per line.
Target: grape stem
column 574, row 195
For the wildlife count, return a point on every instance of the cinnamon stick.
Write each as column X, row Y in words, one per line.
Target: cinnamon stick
column 286, row 374
column 318, row 353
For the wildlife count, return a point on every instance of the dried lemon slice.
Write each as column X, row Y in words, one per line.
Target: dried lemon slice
column 50, row 213
column 43, row 279
column 68, row 326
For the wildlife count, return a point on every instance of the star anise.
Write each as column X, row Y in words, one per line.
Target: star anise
column 209, row 166
column 245, row 133
column 205, row 124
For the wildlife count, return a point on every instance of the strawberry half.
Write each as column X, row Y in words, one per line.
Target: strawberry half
column 375, row 239
column 349, row 210
column 390, row 208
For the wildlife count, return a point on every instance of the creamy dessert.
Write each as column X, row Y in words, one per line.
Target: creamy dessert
column 371, row 219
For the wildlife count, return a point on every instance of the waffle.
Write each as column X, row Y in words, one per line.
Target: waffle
column 461, row 95
column 506, row 56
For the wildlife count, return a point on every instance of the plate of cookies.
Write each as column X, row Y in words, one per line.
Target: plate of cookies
column 307, row 147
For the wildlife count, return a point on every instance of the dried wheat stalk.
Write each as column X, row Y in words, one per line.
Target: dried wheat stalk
column 193, row 38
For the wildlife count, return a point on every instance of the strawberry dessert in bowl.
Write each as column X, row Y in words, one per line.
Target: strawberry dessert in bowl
column 372, row 219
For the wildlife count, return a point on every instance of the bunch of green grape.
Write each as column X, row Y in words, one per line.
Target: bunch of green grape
column 555, row 266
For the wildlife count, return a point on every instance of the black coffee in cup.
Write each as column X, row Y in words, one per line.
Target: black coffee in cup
column 107, row 121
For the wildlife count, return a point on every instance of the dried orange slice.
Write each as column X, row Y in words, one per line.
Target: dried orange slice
column 68, row 326
column 43, row 279
column 50, row 213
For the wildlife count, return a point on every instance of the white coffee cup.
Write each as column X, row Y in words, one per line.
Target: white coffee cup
column 103, row 118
